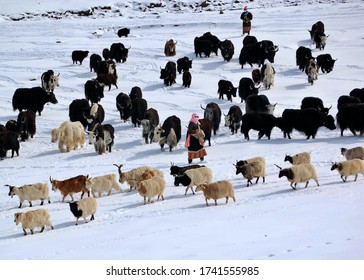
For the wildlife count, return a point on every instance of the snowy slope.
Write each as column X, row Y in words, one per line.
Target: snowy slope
column 268, row 220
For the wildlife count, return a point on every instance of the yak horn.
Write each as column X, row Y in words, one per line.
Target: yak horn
column 202, row 107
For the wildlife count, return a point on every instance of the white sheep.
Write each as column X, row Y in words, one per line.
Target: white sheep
column 194, row 177
column 300, row 158
column 299, row 173
column 252, row 168
column 357, row 152
column 33, row 219
column 133, row 176
column 105, row 183
column 217, row 190
column 151, row 187
column 85, row 207
column 37, row 191
column 69, row 135
column 348, row 168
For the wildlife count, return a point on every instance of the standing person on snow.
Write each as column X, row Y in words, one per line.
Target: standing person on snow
column 195, row 139
column 246, row 17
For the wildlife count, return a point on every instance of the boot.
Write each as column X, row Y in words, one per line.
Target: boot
column 201, row 158
column 189, row 160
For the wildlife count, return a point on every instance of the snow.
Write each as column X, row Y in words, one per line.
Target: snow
column 268, row 221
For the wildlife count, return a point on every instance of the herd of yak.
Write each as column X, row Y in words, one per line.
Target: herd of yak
column 259, row 112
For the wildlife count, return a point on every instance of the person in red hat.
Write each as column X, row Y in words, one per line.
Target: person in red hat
column 195, row 139
column 246, row 17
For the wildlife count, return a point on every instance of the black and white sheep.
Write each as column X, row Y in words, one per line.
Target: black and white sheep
column 194, row 177
column 300, row 158
column 356, row 152
column 83, row 208
column 298, row 174
column 252, row 168
column 351, row 167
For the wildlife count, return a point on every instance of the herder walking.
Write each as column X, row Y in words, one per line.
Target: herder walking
column 246, row 17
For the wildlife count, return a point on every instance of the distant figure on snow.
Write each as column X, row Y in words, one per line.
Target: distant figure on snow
column 246, row 17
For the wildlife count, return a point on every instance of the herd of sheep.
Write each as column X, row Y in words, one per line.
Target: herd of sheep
column 150, row 183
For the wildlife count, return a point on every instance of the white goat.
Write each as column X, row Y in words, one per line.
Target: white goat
column 348, row 168
column 151, row 187
column 33, row 219
column 133, row 176
column 38, row 191
column 105, row 183
column 217, row 190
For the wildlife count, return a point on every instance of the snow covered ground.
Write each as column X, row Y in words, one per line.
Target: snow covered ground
column 268, row 221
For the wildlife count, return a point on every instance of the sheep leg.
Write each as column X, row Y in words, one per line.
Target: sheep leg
column 30, row 203
column 41, row 201
column 49, row 200
column 92, row 217
column 215, row 202
column 293, row 187
column 233, row 198
column 20, row 204
column 72, row 197
column 109, row 192
column 31, row 231
column 41, row 230
column 207, row 204
column 25, row 233
column 257, row 180
column 145, row 200
column 317, row 183
column 227, row 199
column 342, row 178
column 77, row 221
column 306, row 184
column 356, row 176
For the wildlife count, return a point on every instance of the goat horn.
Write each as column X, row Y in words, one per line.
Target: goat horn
column 278, row 166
